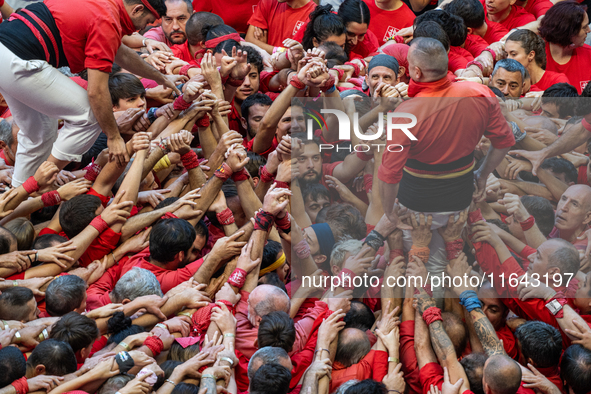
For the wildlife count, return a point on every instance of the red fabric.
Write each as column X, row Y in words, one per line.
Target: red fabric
column 516, row 18
column 155, row 345
column 167, row 278
column 538, row 7
column 408, row 357
column 548, row 79
column 494, row 32
column 236, row 16
column 509, row 342
column 458, row 59
column 21, row 385
column 91, row 31
column 81, row 82
column 385, row 24
column 273, row 146
column 104, row 199
column 576, row 70
column 438, row 145
column 373, row 366
column 99, row 224
column 31, row 185
column 431, row 374
column 279, row 19
column 98, row 292
column 400, row 52
column 100, row 247
column 553, row 375
column 99, row 344
column 475, row 44
column 582, row 176
column 183, row 52
column 363, row 49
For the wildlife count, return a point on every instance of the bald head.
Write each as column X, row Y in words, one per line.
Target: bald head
column 353, row 344
column 502, row 375
column 267, row 298
column 427, row 60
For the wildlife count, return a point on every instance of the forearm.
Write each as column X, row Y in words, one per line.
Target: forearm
column 100, row 102
column 554, row 185
column 297, row 206
column 486, row 333
column 24, row 209
column 388, row 193
column 444, row 348
column 264, row 138
column 138, row 222
column 576, row 136
column 259, row 238
column 493, row 158
column 221, row 122
column 208, row 142
column 250, row 38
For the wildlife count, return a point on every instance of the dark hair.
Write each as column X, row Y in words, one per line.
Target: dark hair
column 13, row 301
column 76, row 330
column 229, row 189
column 254, row 58
column 23, row 230
column 471, row 11
column 322, row 24
column 321, row 216
column 254, row 164
column 346, row 220
column 48, row 240
column 354, row 11
column 270, row 252
column 179, row 353
column 583, row 104
column 367, row 386
column 6, row 240
column 359, row 316
column 474, row 367
column 64, row 294
column 120, row 327
column 352, row 346
column 270, row 379
column 13, row 365
column 201, row 229
column 562, row 21
column 272, row 279
column 57, row 357
column 542, row 211
column 433, row 30
column 334, row 54
column 185, row 388
column 169, row 237
column 575, row 368
column 77, row 213
column 278, row 330
column 158, row 5
column 123, row 86
column 540, row 342
column 563, row 96
column 197, row 22
column 497, row 92
column 453, row 25
column 559, row 165
column 257, row 98
column 530, row 41
column 210, row 32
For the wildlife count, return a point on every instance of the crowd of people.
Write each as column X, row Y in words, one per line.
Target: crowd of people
column 184, row 211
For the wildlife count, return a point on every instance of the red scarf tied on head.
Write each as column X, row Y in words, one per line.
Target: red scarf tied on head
column 211, row 44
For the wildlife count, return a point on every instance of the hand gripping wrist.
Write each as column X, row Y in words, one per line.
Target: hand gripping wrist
column 31, row 185
column 99, row 224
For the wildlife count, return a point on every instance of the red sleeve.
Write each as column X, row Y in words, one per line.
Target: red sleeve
column 17, row 276
column 540, row 8
column 242, row 381
column 528, row 250
column 431, row 374
column 102, row 43
column 202, row 5
column 99, row 344
column 105, row 284
column 265, row 78
column 408, row 357
column 498, row 131
column 260, row 17
column 393, row 162
column 104, row 199
column 380, row 365
column 582, row 176
column 100, row 247
column 456, row 62
column 302, row 359
column 475, row 44
column 174, row 278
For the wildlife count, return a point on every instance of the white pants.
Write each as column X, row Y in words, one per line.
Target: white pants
column 38, row 95
column 438, row 256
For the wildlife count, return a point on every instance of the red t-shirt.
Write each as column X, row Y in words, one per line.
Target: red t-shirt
column 363, row 49
column 384, row 24
column 475, row 44
column 98, row 292
column 538, row 7
column 182, row 52
column 577, row 69
column 458, row 58
column 516, row 18
column 248, row 145
column 548, row 79
column 494, row 32
column 236, row 16
column 279, row 19
column 91, row 31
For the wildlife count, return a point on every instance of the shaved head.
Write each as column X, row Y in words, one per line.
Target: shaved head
column 502, row 375
column 427, row 59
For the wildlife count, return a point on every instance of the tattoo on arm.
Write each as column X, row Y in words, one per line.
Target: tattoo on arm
column 486, row 333
column 210, row 384
column 442, row 345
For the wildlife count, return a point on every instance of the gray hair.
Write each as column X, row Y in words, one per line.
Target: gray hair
column 114, row 384
column 188, row 3
column 135, row 283
column 510, row 65
column 6, row 132
column 430, row 56
column 340, row 250
column 343, row 387
column 267, row 355
column 270, row 303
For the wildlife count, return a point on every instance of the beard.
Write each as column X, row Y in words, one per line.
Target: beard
column 176, row 41
column 304, row 180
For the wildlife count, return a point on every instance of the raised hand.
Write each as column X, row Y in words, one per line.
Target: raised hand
column 117, row 211
column 276, row 200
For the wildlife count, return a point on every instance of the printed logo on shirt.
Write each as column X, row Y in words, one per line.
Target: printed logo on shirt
column 254, row 7
column 297, row 27
column 583, row 84
column 390, row 32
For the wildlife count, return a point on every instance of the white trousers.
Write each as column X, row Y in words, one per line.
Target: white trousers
column 38, row 95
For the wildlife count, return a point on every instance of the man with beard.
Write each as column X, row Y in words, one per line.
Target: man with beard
column 172, row 30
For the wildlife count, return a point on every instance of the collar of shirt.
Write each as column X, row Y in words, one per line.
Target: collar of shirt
column 415, row 88
column 127, row 26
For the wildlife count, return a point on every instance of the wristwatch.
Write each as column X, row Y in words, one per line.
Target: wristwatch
column 554, row 307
